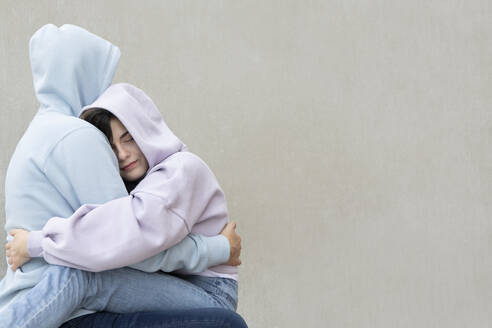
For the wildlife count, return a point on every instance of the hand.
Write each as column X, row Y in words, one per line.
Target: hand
column 16, row 250
column 234, row 241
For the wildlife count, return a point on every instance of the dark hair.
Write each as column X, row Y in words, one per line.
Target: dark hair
column 101, row 118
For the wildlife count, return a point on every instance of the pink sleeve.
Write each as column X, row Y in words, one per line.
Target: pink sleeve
column 158, row 214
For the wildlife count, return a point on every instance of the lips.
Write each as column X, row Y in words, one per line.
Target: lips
column 129, row 166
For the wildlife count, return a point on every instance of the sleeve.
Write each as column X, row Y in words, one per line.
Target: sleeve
column 194, row 254
column 157, row 215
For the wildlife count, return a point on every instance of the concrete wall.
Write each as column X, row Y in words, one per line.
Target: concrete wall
column 352, row 139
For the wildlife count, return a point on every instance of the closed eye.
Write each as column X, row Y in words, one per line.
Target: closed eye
column 126, row 137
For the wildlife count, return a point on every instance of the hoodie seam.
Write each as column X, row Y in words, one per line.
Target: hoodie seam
column 52, row 148
column 164, row 200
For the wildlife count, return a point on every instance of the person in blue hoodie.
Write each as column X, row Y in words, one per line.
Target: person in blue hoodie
column 62, row 162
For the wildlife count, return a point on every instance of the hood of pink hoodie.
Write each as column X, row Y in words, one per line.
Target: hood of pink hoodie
column 142, row 119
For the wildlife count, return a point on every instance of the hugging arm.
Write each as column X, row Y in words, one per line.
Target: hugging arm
column 122, row 231
column 189, row 255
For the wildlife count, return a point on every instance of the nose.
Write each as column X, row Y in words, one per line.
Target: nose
column 121, row 153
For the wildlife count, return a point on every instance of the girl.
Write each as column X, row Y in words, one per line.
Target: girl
column 172, row 194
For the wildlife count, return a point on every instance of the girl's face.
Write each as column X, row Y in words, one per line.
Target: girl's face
column 132, row 162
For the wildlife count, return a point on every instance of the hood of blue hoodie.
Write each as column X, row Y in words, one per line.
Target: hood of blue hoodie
column 71, row 67
column 142, row 119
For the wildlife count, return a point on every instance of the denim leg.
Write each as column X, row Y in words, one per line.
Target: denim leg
column 50, row 302
column 223, row 290
column 197, row 318
column 128, row 290
column 62, row 290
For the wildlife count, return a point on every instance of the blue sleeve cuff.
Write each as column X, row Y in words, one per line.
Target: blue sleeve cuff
column 218, row 250
column 34, row 240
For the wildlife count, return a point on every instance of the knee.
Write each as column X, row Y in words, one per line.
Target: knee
column 231, row 318
column 64, row 275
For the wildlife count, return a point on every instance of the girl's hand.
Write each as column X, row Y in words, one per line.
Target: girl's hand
column 16, row 250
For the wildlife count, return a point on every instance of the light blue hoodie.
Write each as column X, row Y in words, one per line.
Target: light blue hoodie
column 62, row 162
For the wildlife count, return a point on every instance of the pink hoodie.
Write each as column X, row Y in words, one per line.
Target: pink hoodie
column 178, row 195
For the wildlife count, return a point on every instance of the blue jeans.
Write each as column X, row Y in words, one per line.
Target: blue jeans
column 62, row 290
column 199, row 318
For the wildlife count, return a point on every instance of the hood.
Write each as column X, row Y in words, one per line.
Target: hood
column 142, row 119
column 71, row 67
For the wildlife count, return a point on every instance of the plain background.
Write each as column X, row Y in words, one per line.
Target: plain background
column 352, row 139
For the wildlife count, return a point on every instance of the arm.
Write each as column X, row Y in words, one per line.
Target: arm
column 128, row 229
column 185, row 249
column 194, row 254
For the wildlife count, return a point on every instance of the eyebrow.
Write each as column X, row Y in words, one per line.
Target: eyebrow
column 124, row 134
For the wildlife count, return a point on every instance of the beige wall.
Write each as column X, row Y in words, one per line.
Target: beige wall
column 352, row 139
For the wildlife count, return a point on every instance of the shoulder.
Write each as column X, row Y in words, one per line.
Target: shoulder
column 59, row 122
column 77, row 140
column 179, row 174
column 180, row 168
column 184, row 161
column 58, row 129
